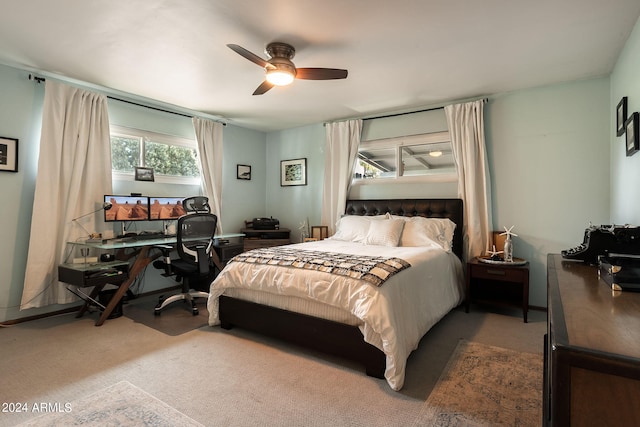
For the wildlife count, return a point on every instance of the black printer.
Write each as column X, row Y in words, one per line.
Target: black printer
column 264, row 224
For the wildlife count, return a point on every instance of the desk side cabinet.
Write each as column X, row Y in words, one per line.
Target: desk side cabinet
column 592, row 349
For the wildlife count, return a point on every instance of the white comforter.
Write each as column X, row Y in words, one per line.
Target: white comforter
column 394, row 316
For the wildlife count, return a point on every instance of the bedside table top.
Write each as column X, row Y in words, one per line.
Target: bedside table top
column 487, row 260
column 519, row 263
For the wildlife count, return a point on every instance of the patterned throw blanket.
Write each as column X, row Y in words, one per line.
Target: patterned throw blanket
column 374, row 270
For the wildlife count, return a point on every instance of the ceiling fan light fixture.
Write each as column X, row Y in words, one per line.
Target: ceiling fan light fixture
column 279, row 77
column 436, row 153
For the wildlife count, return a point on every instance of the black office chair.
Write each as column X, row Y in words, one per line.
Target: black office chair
column 195, row 238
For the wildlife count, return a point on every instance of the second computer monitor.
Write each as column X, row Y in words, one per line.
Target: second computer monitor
column 165, row 208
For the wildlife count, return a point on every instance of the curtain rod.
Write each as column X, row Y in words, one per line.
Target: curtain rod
column 403, row 114
column 485, row 100
column 413, row 112
column 42, row 79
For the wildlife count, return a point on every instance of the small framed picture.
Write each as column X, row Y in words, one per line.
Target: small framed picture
column 621, row 116
column 144, row 174
column 631, row 128
column 8, row 154
column 293, row 172
column 244, row 172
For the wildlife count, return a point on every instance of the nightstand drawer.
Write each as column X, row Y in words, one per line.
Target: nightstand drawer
column 498, row 273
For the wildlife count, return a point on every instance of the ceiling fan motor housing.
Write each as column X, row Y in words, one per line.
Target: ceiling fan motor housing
column 280, row 50
column 281, row 54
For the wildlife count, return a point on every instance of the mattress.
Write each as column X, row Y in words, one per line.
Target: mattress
column 393, row 317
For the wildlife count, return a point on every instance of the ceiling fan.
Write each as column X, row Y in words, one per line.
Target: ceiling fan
column 279, row 69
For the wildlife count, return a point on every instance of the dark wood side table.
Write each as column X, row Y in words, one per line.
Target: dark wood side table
column 499, row 284
column 228, row 250
column 258, row 239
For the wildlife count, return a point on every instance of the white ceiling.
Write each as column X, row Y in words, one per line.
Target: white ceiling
column 401, row 54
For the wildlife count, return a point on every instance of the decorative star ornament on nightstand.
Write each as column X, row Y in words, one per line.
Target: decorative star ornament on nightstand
column 493, row 253
column 508, row 232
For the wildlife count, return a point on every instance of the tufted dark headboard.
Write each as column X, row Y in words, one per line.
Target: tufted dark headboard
column 429, row 208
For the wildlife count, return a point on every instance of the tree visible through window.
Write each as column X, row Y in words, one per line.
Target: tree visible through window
column 169, row 156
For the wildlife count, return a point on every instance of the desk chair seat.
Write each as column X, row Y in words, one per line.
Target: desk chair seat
column 195, row 238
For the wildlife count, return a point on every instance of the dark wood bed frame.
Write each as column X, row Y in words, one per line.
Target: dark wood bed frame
column 328, row 336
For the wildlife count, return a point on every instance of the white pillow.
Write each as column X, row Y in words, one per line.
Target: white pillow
column 384, row 232
column 420, row 231
column 352, row 228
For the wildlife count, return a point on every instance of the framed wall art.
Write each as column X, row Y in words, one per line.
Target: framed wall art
column 8, row 154
column 631, row 128
column 144, row 174
column 621, row 116
column 293, row 172
column 243, row 172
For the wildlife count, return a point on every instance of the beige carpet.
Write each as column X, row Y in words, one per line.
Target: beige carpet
column 176, row 319
column 121, row 405
column 484, row 385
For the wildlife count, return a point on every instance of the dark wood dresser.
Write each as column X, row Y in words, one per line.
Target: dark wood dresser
column 257, row 239
column 592, row 349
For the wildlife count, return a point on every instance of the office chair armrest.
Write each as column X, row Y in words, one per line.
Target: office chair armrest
column 203, row 260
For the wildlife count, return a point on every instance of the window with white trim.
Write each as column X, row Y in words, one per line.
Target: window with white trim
column 173, row 159
column 425, row 157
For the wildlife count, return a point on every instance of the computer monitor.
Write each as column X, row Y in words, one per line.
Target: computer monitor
column 166, row 208
column 126, row 208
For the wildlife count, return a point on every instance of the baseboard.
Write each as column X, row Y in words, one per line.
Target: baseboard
column 76, row 308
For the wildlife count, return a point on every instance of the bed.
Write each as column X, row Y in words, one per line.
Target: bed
column 375, row 315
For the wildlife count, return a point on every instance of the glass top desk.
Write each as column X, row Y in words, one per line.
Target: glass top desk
column 141, row 247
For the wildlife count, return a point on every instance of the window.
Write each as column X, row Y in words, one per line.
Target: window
column 426, row 157
column 173, row 159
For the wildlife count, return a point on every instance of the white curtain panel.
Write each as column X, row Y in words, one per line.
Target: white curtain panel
column 466, row 127
column 74, row 172
column 209, row 136
column 341, row 151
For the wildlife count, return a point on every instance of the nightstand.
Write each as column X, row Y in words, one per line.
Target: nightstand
column 498, row 284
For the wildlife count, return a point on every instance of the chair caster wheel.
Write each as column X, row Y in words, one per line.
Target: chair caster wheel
column 157, row 312
column 195, row 312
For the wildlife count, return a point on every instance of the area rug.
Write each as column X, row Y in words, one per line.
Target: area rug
column 122, row 404
column 486, row 386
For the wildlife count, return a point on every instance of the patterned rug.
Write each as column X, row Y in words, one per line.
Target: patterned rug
column 486, row 386
column 122, row 404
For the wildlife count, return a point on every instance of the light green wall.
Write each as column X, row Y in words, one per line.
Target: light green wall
column 20, row 117
column 295, row 204
column 549, row 164
column 243, row 200
column 625, row 171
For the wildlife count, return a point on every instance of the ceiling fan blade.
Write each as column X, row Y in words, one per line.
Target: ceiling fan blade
column 320, row 73
column 250, row 56
column 265, row 86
